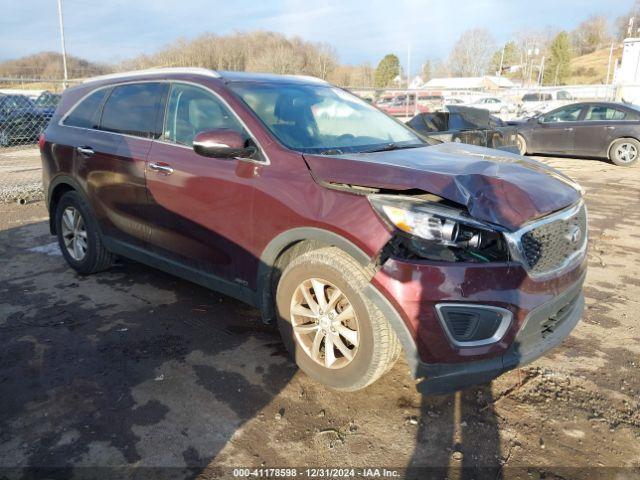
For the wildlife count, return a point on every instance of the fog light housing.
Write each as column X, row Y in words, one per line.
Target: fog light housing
column 471, row 325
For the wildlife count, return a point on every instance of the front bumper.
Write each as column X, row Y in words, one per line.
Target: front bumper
column 545, row 327
column 544, row 313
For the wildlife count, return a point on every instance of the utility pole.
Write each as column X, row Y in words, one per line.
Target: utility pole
column 64, row 50
column 609, row 64
column 501, row 60
column 406, row 109
column 541, row 72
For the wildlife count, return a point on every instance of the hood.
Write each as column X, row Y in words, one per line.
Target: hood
column 498, row 187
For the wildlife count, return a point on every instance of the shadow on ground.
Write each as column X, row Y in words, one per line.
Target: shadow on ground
column 135, row 368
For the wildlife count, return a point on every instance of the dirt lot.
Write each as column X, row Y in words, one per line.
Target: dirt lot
column 133, row 367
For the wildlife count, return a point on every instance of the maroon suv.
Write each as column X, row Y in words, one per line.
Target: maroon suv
column 334, row 219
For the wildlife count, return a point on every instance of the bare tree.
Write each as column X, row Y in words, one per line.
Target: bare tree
column 472, row 53
column 593, row 33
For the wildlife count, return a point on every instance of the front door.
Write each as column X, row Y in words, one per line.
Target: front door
column 201, row 207
column 555, row 132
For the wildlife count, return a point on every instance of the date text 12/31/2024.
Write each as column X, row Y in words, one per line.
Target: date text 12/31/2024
column 264, row 472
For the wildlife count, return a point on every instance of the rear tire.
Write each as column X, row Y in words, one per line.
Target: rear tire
column 375, row 347
column 79, row 237
column 625, row 152
column 522, row 144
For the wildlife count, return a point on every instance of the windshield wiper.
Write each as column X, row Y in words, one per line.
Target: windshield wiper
column 332, row 151
column 391, row 146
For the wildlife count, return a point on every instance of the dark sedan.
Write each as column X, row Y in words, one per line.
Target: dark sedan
column 588, row 129
column 20, row 120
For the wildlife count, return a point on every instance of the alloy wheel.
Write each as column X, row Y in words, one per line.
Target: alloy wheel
column 626, row 152
column 74, row 233
column 324, row 323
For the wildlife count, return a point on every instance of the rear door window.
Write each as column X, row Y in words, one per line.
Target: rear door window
column 85, row 114
column 131, row 109
column 600, row 113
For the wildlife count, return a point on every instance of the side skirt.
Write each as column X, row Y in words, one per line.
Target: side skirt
column 172, row 267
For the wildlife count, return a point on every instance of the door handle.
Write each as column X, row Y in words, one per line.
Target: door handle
column 86, row 151
column 568, row 129
column 610, row 127
column 161, row 168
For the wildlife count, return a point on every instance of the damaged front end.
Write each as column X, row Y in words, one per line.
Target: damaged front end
column 432, row 229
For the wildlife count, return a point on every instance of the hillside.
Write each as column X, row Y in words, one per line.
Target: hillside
column 592, row 67
column 47, row 65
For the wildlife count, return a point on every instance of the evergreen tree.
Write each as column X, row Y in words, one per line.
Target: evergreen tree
column 557, row 68
column 387, row 70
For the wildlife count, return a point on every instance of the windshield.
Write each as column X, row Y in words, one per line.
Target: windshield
column 317, row 119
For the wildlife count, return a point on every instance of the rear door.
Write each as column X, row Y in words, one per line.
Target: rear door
column 602, row 124
column 555, row 132
column 201, row 207
column 112, row 160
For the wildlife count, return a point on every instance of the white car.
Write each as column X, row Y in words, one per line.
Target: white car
column 494, row 105
column 541, row 102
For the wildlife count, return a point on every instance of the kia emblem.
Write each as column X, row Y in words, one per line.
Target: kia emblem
column 575, row 234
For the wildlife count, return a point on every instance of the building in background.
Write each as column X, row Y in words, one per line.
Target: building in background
column 627, row 74
column 487, row 82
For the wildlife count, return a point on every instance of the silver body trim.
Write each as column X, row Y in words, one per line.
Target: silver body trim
column 505, row 322
column 155, row 71
column 514, row 241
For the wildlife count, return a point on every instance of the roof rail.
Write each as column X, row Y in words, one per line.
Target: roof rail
column 155, row 71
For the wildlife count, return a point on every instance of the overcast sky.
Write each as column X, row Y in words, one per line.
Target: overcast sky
column 360, row 30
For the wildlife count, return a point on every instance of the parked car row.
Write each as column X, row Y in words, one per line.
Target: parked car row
column 23, row 119
column 404, row 105
column 586, row 129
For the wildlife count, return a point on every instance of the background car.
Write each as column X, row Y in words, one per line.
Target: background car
column 20, row 120
column 589, row 129
column 494, row 105
column 539, row 102
column 466, row 125
column 47, row 102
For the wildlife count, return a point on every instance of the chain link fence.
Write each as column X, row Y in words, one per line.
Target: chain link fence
column 26, row 106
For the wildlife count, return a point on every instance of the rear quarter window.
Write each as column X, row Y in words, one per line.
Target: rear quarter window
column 85, row 114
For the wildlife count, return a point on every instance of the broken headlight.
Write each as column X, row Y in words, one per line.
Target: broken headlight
column 438, row 232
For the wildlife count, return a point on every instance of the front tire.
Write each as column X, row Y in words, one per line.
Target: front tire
column 625, row 152
column 335, row 334
column 78, row 236
column 522, row 144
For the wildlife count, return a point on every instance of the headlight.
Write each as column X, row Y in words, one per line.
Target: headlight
column 439, row 232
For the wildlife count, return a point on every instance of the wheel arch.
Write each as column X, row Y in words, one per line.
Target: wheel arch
column 284, row 247
column 58, row 186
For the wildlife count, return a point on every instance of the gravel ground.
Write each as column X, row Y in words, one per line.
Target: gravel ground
column 135, row 368
column 20, row 174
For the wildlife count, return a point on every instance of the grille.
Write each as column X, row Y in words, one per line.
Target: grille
column 548, row 246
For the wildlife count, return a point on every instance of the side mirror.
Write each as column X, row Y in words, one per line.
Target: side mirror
column 221, row 143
